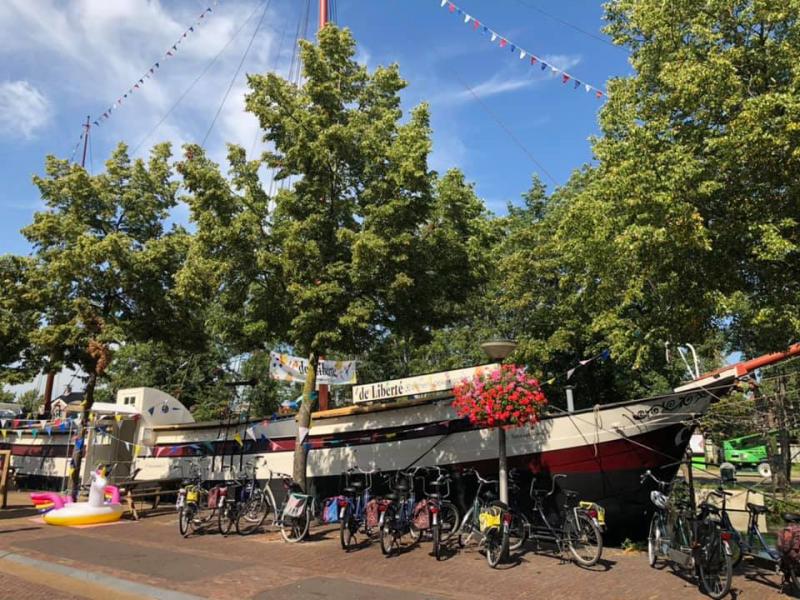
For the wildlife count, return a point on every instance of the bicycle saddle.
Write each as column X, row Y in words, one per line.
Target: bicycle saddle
column 498, row 504
column 755, row 508
column 791, row 517
column 357, row 485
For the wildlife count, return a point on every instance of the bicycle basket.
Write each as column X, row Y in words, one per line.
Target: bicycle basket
column 295, row 505
column 489, row 517
column 595, row 511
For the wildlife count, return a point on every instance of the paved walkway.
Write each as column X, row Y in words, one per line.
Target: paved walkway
column 149, row 558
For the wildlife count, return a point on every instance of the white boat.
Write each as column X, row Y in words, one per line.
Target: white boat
column 603, row 450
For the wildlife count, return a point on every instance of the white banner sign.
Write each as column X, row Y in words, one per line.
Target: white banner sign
column 329, row 372
column 422, row 384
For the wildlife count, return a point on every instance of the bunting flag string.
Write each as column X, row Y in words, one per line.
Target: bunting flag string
column 515, row 49
column 156, row 66
column 604, row 355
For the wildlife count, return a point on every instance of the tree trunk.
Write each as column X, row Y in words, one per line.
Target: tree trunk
column 80, row 448
column 48, row 392
column 502, row 471
column 304, row 421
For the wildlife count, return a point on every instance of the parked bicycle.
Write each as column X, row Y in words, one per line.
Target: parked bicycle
column 255, row 504
column 753, row 544
column 396, row 520
column 352, row 506
column 568, row 526
column 295, row 514
column 442, row 515
column 695, row 541
column 198, row 503
column 487, row 521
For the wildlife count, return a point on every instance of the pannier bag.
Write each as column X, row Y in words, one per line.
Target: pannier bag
column 295, row 505
column 373, row 511
column 420, row 515
column 214, row 495
column 330, row 509
column 489, row 517
column 788, row 543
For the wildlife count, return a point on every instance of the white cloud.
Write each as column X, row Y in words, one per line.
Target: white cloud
column 24, row 110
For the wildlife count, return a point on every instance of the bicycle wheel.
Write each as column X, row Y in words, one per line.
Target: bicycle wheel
column 448, row 521
column 735, row 545
column 387, row 533
column 496, row 545
column 226, row 516
column 251, row 514
column 714, row 568
column 185, row 519
column 294, row 529
column 466, row 528
column 436, row 532
column 517, row 531
column 790, row 575
column 654, row 538
column 584, row 539
column 347, row 525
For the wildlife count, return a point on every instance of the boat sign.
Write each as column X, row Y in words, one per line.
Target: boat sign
column 421, row 384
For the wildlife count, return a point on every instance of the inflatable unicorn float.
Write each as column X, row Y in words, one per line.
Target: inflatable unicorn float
column 66, row 512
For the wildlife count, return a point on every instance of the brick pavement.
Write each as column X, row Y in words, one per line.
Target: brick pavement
column 152, row 552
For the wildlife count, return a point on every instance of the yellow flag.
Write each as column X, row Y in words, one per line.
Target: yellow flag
column 238, row 439
column 70, row 471
column 551, row 381
column 118, row 418
column 5, row 434
column 91, row 416
column 136, row 449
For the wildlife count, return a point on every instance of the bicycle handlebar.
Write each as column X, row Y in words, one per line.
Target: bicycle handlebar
column 555, row 477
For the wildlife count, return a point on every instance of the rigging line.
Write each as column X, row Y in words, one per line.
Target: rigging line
column 273, row 68
column 196, row 81
column 295, row 57
column 236, row 74
column 503, row 126
column 572, row 25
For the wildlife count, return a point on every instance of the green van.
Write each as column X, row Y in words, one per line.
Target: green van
column 745, row 451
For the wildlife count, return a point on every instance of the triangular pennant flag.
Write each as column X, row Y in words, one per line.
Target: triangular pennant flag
column 96, row 123
column 443, row 3
column 553, row 70
column 451, row 7
column 564, row 78
column 605, row 355
column 503, row 42
column 118, row 418
column 136, row 450
column 3, row 423
column 151, row 410
column 522, row 54
column 544, row 65
column 303, row 431
column 533, row 60
column 19, row 434
column 251, row 432
column 551, row 381
column 127, row 445
column 570, row 372
column 466, row 18
column 34, row 432
column 209, row 446
column 238, row 439
column 577, row 84
column 475, row 23
column 513, row 48
column 494, row 36
column 599, row 94
column 49, row 430
column 5, row 433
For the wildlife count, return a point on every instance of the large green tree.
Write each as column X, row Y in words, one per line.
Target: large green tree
column 354, row 246
column 697, row 179
column 104, row 264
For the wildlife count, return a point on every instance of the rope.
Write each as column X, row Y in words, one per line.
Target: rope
column 197, row 79
column 505, row 128
column 236, row 74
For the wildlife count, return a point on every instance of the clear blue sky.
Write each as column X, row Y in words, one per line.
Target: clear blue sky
column 64, row 60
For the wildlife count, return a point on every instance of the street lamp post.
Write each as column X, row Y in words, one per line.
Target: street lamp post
column 498, row 350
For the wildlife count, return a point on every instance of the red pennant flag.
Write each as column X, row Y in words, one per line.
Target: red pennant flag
column 169, row 53
column 503, row 42
column 599, row 94
column 564, row 78
column 475, row 24
column 451, row 7
column 533, row 60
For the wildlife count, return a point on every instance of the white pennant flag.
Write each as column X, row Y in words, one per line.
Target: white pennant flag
column 3, row 423
column 19, row 434
column 251, row 432
column 466, row 18
column 127, row 445
column 553, row 70
column 443, row 3
column 522, row 54
column 588, row 87
column 494, row 36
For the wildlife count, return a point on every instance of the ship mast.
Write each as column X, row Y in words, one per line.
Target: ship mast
column 323, row 388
